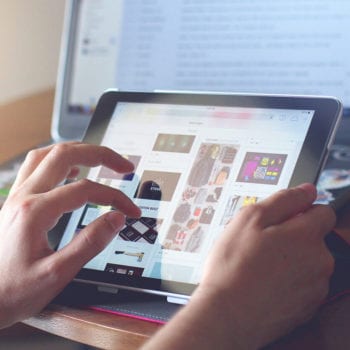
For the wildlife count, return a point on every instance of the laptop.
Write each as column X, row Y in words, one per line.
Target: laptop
column 269, row 47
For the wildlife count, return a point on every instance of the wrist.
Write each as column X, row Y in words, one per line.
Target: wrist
column 219, row 317
column 206, row 323
column 9, row 306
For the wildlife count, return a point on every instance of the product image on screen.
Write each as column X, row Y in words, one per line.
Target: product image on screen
column 262, row 168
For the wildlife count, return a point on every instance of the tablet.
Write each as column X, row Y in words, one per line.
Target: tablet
column 199, row 158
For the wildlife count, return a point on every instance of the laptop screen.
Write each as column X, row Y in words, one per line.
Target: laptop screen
column 277, row 47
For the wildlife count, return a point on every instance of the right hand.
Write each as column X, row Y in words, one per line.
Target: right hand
column 270, row 271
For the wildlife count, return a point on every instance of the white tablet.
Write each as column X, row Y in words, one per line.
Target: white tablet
column 199, row 158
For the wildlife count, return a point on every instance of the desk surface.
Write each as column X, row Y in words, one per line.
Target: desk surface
column 94, row 328
column 329, row 330
column 26, row 124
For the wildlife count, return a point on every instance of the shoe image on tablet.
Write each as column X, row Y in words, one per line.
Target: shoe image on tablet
column 199, row 158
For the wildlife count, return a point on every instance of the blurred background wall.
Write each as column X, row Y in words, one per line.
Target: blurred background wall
column 30, row 33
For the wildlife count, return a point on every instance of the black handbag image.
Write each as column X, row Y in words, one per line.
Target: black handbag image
column 150, row 190
column 207, row 215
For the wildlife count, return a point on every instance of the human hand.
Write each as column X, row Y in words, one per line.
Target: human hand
column 274, row 265
column 268, row 273
column 31, row 273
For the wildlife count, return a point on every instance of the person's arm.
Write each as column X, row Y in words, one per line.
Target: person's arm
column 268, row 273
column 31, row 273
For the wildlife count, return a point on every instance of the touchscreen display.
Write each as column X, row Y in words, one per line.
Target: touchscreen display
column 195, row 168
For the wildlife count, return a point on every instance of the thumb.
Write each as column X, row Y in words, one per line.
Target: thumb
column 87, row 244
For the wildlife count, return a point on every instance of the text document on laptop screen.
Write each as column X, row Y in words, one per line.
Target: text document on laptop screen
column 278, row 47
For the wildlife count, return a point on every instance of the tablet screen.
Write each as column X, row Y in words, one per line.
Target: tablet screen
column 195, row 168
column 198, row 160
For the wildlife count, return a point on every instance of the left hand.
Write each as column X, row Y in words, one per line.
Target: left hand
column 31, row 273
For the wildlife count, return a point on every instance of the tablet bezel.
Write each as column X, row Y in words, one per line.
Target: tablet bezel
column 328, row 111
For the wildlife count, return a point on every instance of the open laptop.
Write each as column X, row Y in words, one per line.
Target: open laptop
column 273, row 47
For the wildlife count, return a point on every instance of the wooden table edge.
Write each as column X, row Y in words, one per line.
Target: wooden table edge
column 97, row 329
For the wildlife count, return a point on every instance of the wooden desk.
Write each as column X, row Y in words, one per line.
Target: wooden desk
column 98, row 329
column 26, row 124
column 329, row 330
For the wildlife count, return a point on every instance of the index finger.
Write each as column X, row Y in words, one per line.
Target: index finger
column 59, row 161
column 285, row 204
column 318, row 218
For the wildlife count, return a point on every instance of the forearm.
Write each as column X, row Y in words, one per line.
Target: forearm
column 202, row 324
